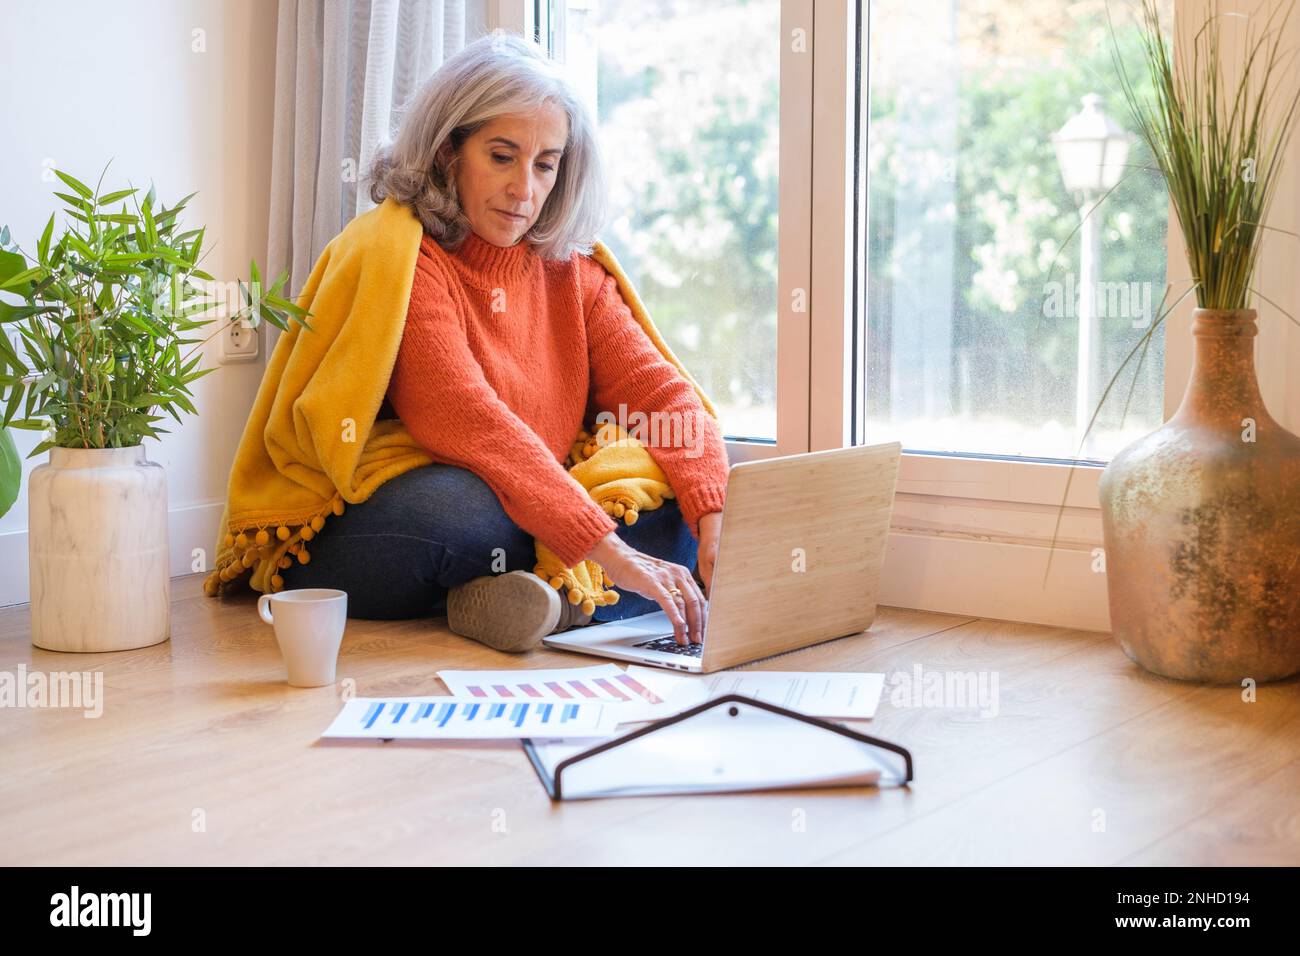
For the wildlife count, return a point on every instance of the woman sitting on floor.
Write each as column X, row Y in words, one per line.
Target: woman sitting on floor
column 515, row 336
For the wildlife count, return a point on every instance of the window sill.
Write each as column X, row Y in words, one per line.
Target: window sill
column 974, row 535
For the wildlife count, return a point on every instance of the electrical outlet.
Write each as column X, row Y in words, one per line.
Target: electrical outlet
column 239, row 343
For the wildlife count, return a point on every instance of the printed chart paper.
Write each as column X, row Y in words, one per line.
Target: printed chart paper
column 849, row 696
column 606, row 682
column 635, row 700
column 460, row 718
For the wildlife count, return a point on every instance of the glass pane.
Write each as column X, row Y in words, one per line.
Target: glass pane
column 690, row 144
column 983, row 289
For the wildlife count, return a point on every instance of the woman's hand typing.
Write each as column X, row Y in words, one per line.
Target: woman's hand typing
column 654, row 578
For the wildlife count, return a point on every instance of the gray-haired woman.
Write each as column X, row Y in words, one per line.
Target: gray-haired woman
column 514, row 338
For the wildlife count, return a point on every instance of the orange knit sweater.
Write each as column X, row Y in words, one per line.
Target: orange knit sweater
column 503, row 358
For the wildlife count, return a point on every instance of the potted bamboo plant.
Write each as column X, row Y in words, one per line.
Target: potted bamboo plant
column 102, row 310
column 1201, row 518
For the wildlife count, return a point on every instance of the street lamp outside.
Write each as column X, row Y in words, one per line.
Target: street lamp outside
column 1091, row 150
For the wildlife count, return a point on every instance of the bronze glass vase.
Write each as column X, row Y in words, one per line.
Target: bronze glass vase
column 1202, row 525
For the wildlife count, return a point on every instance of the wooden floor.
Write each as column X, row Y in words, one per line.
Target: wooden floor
column 204, row 755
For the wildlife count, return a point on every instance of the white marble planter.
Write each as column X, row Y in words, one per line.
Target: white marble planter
column 97, row 549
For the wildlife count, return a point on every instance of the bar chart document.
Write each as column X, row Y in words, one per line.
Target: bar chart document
column 459, row 718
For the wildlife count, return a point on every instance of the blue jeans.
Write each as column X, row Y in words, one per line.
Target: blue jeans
column 437, row 526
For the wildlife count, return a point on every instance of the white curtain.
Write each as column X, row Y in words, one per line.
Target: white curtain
column 343, row 71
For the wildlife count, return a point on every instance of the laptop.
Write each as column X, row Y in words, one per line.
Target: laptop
column 799, row 556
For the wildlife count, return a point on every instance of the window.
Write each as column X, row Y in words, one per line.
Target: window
column 686, row 97
column 925, row 282
column 992, row 320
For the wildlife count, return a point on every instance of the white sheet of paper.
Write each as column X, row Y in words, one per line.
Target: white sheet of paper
column 461, row 718
column 847, row 695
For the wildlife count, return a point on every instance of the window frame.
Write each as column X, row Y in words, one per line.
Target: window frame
column 970, row 534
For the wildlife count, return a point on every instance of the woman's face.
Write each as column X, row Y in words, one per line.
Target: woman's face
column 508, row 166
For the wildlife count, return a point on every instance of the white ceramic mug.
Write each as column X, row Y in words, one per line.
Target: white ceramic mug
column 309, row 625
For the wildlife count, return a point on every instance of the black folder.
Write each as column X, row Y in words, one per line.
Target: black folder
column 729, row 744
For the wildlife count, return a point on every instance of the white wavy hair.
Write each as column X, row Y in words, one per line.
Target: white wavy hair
column 497, row 74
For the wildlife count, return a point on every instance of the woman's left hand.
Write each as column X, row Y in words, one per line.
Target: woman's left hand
column 710, row 529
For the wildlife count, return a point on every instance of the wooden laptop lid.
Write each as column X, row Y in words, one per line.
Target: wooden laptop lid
column 803, row 540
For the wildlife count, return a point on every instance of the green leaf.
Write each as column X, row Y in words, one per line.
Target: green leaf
column 150, row 230
column 29, row 424
column 11, row 406
column 286, row 306
column 9, row 355
column 170, row 255
column 127, row 258
column 74, row 201
column 43, row 243
column 43, row 446
column 40, row 343
column 22, row 277
column 10, row 313
column 148, row 399
column 140, row 322
column 11, row 263
column 76, row 242
column 80, row 187
column 114, row 197
column 11, row 471
column 197, row 308
column 197, row 246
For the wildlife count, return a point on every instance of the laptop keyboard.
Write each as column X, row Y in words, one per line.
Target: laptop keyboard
column 670, row 646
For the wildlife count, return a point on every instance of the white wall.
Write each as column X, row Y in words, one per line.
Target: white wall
column 86, row 81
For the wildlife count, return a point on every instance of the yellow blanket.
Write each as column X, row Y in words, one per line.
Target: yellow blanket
column 312, row 444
